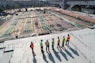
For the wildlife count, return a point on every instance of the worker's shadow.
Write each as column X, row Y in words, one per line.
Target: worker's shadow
column 44, row 57
column 64, row 55
column 57, row 55
column 51, row 58
column 73, row 50
column 34, row 59
column 69, row 53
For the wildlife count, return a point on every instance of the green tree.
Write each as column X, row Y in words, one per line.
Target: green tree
column 1, row 8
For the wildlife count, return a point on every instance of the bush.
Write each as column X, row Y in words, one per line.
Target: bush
column 1, row 9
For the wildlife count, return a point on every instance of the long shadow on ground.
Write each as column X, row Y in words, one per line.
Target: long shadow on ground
column 51, row 58
column 73, row 50
column 64, row 55
column 57, row 55
column 34, row 60
column 44, row 58
column 69, row 53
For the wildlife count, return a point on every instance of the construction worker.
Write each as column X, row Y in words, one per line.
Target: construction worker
column 68, row 39
column 41, row 45
column 58, row 43
column 47, row 46
column 52, row 43
column 32, row 47
column 63, row 41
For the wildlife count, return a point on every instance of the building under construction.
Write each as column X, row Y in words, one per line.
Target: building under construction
column 35, row 23
column 44, row 20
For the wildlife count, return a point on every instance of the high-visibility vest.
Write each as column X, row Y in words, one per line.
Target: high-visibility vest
column 46, row 43
column 68, row 38
column 52, row 42
column 58, row 40
column 41, row 44
column 32, row 45
column 63, row 40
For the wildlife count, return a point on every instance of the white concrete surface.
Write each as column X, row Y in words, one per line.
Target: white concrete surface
column 80, row 50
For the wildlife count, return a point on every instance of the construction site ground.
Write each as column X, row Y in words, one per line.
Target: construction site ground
column 40, row 23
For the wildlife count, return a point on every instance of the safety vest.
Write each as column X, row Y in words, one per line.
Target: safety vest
column 32, row 45
column 41, row 44
column 63, row 40
column 46, row 43
column 58, row 40
column 52, row 42
column 68, row 38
